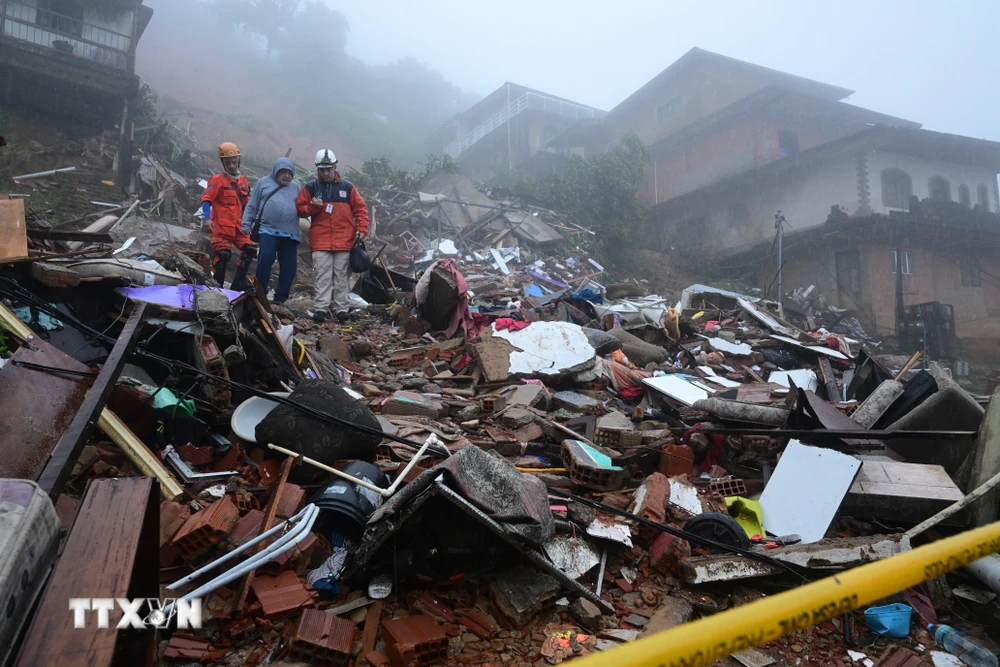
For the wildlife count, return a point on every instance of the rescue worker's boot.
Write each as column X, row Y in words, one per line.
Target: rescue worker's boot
column 220, row 261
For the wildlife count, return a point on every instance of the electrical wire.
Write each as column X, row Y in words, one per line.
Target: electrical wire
column 318, row 414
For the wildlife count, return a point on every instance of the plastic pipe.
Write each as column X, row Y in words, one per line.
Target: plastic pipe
column 432, row 439
column 284, row 544
column 987, row 570
column 232, row 554
column 39, row 174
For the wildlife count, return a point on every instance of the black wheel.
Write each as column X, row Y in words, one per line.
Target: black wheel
column 720, row 528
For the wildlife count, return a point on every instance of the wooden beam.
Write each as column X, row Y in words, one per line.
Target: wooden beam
column 139, row 454
column 829, row 380
column 112, row 552
column 67, row 450
column 269, row 512
column 372, row 622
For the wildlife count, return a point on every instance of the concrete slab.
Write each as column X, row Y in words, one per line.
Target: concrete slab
column 896, row 491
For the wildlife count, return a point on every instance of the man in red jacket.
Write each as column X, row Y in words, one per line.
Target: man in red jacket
column 222, row 205
column 339, row 217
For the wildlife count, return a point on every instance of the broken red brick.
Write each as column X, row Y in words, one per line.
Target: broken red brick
column 207, row 528
column 481, row 620
column 377, row 659
column 66, row 511
column 434, row 607
column 322, row 639
column 246, row 528
column 196, row 456
column 245, row 501
column 186, row 646
column 268, row 472
column 624, row 585
column 291, row 501
column 172, row 517
column 491, row 404
column 407, row 359
column 232, row 460
column 666, row 551
column 281, row 593
column 417, row 640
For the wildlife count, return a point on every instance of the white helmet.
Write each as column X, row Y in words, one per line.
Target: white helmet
column 325, row 158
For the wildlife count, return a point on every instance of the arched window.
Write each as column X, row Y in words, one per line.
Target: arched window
column 963, row 196
column 939, row 189
column 896, row 188
column 984, row 197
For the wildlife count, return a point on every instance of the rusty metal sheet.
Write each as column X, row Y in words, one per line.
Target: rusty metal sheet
column 37, row 408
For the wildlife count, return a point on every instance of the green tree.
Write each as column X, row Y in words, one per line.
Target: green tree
column 600, row 192
column 266, row 18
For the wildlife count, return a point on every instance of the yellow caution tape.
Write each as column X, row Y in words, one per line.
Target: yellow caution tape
column 710, row 639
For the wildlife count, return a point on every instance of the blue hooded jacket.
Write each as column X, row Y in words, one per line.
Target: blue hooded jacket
column 280, row 217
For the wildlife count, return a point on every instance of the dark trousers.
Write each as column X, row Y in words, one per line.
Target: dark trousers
column 286, row 251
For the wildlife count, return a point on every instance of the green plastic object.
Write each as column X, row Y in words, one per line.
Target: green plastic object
column 167, row 399
column 747, row 513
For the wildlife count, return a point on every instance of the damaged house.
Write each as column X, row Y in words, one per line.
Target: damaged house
column 735, row 145
column 509, row 128
column 72, row 60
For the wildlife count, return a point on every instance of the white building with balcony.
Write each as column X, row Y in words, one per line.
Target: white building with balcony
column 506, row 129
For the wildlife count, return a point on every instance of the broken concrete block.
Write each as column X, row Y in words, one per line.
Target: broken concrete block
column 517, row 417
column 528, row 395
column 896, row 491
column 586, row 613
column 523, row 593
column 407, row 403
column 575, row 402
column 828, row 554
column 743, row 412
column 547, row 349
column 671, row 613
column 877, row 403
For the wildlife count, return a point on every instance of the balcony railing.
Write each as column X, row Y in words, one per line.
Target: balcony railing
column 27, row 23
column 527, row 101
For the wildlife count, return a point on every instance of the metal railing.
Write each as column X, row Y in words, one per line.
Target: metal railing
column 527, row 101
column 35, row 25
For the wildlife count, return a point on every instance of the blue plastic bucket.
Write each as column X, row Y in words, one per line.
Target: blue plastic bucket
column 890, row 621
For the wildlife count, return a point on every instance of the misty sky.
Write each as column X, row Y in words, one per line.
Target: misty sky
column 928, row 61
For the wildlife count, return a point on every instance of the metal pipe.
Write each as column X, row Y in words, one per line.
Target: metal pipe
column 232, row 554
column 263, row 557
column 40, row 174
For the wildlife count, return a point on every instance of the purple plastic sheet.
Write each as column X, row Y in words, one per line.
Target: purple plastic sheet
column 176, row 296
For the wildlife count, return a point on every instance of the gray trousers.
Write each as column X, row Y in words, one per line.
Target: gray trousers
column 333, row 280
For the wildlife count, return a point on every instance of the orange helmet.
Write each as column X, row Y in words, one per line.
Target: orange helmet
column 229, row 149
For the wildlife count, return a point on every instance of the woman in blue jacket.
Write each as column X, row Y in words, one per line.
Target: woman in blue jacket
column 273, row 198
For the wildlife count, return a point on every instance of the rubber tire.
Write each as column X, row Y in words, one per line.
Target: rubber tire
column 720, row 528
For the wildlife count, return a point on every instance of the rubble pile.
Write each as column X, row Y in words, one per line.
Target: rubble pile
column 503, row 458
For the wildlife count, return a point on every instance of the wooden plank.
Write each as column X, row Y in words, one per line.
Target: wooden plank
column 13, row 229
column 372, row 622
column 37, row 407
column 68, row 448
column 112, row 551
column 269, row 512
column 61, row 235
column 829, row 380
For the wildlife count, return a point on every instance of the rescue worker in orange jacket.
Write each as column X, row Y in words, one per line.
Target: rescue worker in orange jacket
column 222, row 205
column 339, row 218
